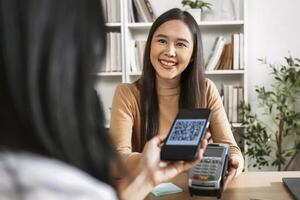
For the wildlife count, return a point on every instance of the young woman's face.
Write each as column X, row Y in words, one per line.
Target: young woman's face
column 171, row 49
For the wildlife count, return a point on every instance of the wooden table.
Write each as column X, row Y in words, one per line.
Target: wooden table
column 247, row 186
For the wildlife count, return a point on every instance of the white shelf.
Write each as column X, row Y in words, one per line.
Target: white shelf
column 135, row 73
column 222, row 23
column 225, row 72
column 113, row 24
column 201, row 24
column 139, row 25
column 109, row 74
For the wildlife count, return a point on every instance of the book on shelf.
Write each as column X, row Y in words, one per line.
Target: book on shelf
column 230, row 102
column 119, row 53
column 150, row 9
column 136, row 62
column 111, row 9
column 222, row 58
column 232, row 56
column 226, row 58
column 113, row 53
column 224, row 96
column 133, row 67
column 137, row 58
column 107, row 56
column 143, row 11
column 242, row 54
column 235, row 104
column 131, row 11
column 236, row 51
column 232, row 97
column 239, row 101
column 216, row 53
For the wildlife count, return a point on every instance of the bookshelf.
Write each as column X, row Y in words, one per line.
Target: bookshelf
column 138, row 31
column 147, row 25
column 111, row 72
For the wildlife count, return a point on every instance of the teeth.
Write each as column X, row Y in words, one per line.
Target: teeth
column 167, row 63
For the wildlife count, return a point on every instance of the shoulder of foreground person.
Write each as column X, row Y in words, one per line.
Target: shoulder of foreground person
column 29, row 176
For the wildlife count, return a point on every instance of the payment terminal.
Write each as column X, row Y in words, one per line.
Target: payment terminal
column 206, row 178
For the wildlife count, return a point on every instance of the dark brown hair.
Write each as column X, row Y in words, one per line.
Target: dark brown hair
column 48, row 50
column 192, row 83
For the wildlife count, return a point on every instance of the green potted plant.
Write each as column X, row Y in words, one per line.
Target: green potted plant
column 273, row 137
column 196, row 7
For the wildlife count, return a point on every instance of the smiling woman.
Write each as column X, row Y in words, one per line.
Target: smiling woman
column 171, row 49
column 172, row 78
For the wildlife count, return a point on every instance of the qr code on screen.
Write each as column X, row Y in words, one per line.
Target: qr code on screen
column 187, row 130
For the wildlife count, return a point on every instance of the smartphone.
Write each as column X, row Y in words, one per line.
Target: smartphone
column 184, row 138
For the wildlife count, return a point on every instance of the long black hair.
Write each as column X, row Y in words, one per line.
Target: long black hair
column 192, row 82
column 48, row 51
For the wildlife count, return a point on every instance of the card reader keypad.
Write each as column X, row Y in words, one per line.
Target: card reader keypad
column 206, row 169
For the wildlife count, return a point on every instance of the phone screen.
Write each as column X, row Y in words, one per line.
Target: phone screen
column 213, row 152
column 186, row 132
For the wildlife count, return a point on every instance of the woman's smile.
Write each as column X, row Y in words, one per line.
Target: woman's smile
column 168, row 64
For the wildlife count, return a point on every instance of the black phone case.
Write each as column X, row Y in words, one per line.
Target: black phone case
column 185, row 153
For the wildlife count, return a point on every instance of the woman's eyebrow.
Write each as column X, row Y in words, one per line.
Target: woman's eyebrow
column 183, row 40
column 178, row 39
column 161, row 35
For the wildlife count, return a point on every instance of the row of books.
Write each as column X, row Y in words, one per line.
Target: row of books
column 113, row 60
column 232, row 97
column 112, row 10
column 140, row 11
column 137, row 49
column 227, row 55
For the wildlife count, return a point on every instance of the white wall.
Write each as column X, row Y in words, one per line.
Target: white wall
column 273, row 30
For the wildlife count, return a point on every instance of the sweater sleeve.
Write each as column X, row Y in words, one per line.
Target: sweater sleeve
column 220, row 127
column 124, row 106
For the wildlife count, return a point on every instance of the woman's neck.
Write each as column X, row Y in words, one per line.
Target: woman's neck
column 167, row 87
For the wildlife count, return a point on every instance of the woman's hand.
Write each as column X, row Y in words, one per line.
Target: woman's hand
column 233, row 165
column 161, row 171
column 152, row 171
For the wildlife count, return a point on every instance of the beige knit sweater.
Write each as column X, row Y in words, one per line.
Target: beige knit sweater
column 125, row 120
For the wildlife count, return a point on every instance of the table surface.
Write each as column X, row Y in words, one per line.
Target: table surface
column 248, row 186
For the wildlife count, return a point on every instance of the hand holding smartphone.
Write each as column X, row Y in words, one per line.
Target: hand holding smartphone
column 184, row 138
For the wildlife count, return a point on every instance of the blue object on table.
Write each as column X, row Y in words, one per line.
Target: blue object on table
column 165, row 189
